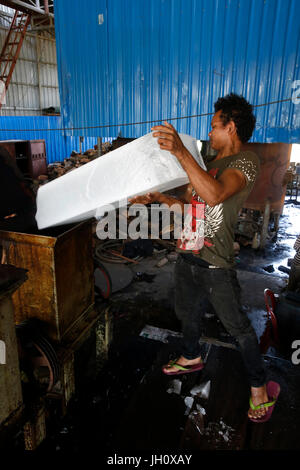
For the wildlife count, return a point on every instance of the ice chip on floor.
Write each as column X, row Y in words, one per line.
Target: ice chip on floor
column 202, row 390
column 201, row 410
column 188, row 401
column 158, row 334
column 175, row 387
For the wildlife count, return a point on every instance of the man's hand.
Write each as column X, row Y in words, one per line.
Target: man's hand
column 168, row 139
column 145, row 198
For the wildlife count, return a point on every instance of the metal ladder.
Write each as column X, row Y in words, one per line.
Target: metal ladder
column 11, row 48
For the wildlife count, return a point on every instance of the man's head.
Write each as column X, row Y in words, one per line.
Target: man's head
column 233, row 119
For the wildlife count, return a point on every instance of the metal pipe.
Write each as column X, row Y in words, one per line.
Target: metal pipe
column 19, row 108
column 53, row 64
column 81, row 139
column 32, row 85
column 46, row 7
column 99, row 146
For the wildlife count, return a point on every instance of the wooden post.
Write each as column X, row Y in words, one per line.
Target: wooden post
column 99, row 146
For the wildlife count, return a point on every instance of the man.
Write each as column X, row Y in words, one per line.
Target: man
column 207, row 274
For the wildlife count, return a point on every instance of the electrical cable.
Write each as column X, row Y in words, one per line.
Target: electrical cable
column 135, row 123
column 105, row 252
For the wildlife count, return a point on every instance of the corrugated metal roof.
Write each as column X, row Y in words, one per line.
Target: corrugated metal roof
column 131, row 61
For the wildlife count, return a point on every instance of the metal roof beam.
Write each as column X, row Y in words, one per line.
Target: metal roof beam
column 26, row 7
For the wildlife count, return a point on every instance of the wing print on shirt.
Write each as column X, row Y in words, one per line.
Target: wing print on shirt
column 213, row 220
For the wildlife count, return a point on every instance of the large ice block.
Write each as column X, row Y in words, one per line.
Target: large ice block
column 133, row 169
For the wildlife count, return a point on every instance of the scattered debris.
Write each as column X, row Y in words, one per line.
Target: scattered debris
column 225, row 431
column 175, row 387
column 113, row 251
column 162, row 262
column 202, row 390
column 57, row 169
column 284, row 269
column 139, row 247
column 201, row 410
column 189, row 401
column 159, row 253
column 197, row 418
column 217, row 435
column 64, row 430
column 96, row 400
column 172, row 256
column 139, row 276
column 43, row 178
column 269, row 269
column 158, row 334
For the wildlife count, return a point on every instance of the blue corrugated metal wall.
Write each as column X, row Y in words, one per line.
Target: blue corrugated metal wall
column 58, row 146
column 124, row 61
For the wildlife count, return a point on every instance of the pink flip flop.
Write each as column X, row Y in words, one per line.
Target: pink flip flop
column 182, row 369
column 273, row 390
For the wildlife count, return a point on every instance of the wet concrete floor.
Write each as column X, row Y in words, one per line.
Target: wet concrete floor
column 129, row 406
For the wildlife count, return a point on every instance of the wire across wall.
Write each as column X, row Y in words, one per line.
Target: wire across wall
column 168, row 119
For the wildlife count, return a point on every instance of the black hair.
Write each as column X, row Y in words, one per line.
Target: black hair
column 235, row 108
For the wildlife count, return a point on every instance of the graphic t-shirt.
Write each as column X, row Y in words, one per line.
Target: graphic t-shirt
column 209, row 231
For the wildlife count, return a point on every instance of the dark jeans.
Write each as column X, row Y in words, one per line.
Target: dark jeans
column 195, row 286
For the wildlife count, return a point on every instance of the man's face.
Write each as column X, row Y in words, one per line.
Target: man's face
column 218, row 135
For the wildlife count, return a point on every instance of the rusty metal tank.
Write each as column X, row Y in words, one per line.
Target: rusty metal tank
column 60, row 285
column 274, row 162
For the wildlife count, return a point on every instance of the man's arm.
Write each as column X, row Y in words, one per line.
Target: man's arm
column 170, row 201
column 212, row 191
column 184, row 193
